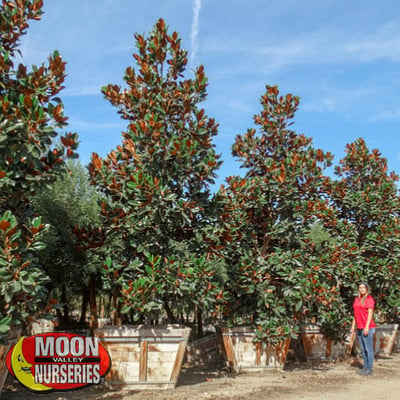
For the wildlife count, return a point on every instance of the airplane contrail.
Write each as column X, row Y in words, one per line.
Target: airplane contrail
column 195, row 29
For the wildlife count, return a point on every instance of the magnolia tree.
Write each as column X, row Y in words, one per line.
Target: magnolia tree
column 366, row 196
column 278, row 274
column 155, row 184
column 30, row 114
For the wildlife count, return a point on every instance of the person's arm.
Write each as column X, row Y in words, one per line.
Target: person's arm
column 369, row 319
column 353, row 326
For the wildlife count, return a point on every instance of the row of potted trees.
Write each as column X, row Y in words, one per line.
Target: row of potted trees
column 278, row 247
column 274, row 249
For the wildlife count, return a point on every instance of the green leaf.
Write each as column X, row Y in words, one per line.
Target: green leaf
column 125, row 309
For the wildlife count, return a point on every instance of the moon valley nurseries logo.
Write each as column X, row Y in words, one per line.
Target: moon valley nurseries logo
column 58, row 361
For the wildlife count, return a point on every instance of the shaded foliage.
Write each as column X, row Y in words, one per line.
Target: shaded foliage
column 69, row 205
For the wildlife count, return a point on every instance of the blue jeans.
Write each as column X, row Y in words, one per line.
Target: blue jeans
column 367, row 347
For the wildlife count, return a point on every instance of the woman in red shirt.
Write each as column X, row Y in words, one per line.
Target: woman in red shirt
column 363, row 321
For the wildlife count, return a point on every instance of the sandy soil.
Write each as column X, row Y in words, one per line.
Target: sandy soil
column 317, row 381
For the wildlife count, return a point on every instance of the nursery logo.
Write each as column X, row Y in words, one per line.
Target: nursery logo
column 58, row 361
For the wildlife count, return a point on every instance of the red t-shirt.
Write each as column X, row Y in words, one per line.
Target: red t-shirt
column 361, row 311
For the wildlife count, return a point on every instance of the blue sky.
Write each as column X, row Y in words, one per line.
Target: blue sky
column 342, row 57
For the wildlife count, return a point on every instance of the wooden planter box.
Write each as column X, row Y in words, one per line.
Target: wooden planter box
column 385, row 339
column 204, row 352
column 144, row 357
column 396, row 346
column 42, row 326
column 242, row 354
column 318, row 347
column 11, row 340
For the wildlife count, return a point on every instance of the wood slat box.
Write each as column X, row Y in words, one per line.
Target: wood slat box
column 144, row 357
column 206, row 351
column 12, row 338
column 385, row 339
column 318, row 347
column 244, row 355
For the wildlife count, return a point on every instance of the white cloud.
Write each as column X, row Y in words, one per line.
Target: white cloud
column 82, row 91
column 321, row 46
column 195, row 30
column 385, row 115
column 379, row 45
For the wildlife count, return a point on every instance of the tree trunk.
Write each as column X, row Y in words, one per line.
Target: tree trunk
column 200, row 322
column 94, row 318
column 65, row 316
column 85, row 303
column 60, row 318
column 266, row 241
column 168, row 310
column 116, row 315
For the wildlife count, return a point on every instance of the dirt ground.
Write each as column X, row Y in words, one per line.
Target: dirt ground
column 316, row 381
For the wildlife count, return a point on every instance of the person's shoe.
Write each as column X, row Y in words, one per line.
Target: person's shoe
column 364, row 372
